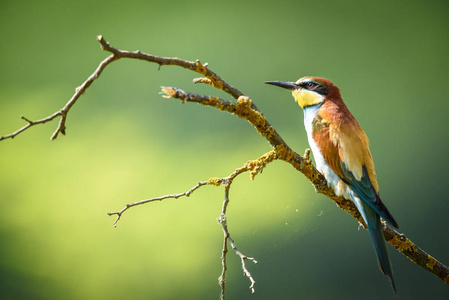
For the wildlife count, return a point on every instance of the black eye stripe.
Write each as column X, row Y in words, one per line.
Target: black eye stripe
column 310, row 85
column 314, row 86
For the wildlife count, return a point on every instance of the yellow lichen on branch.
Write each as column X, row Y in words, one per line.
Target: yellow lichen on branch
column 214, row 101
column 256, row 166
column 284, row 153
column 215, row 181
column 169, row 92
column 216, row 83
column 402, row 244
column 202, row 69
column 202, row 80
column 431, row 263
column 244, row 110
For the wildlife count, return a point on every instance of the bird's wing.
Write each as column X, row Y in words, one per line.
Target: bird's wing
column 346, row 150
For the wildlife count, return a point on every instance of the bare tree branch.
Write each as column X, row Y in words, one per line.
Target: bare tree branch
column 255, row 167
column 64, row 111
column 244, row 108
column 30, row 123
column 197, row 67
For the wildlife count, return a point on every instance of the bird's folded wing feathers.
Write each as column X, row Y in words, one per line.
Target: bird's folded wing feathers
column 346, row 150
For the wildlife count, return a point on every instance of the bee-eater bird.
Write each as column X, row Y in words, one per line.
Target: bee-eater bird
column 341, row 151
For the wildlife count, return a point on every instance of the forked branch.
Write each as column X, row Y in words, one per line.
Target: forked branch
column 254, row 167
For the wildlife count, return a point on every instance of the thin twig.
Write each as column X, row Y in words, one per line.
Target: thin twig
column 173, row 196
column 243, row 258
column 30, row 124
column 224, row 266
column 64, row 111
column 227, row 237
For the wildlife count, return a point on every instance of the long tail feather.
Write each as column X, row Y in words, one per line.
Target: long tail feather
column 372, row 219
column 380, row 246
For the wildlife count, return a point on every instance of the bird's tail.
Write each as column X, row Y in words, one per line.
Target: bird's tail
column 372, row 219
column 380, row 246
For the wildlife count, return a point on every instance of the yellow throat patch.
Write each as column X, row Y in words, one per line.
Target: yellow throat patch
column 307, row 98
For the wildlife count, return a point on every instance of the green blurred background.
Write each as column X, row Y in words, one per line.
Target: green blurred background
column 126, row 143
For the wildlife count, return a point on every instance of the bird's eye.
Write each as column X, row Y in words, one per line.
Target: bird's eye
column 311, row 84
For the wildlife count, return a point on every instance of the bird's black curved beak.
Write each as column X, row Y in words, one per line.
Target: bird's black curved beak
column 283, row 84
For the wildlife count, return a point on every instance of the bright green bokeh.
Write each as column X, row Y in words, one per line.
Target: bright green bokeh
column 125, row 143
